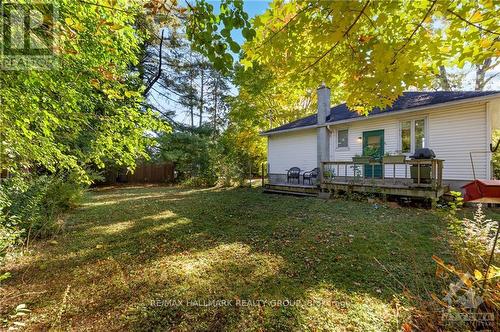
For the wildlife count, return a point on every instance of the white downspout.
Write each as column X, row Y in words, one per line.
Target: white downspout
column 332, row 143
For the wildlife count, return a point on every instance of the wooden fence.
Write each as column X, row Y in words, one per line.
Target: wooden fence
column 145, row 173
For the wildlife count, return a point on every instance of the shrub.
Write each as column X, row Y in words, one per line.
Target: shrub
column 10, row 235
column 229, row 169
column 475, row 292
column 468, row 300
column 495, row 157
column 31, row 205
column 475, row 240
column 198, row 182
column 233, row 162
column 229, row 174
column 189, row 150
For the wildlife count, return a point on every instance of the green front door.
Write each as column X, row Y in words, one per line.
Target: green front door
column 373, row 145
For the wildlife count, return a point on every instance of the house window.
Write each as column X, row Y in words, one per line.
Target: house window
column 419, row 134
column 406, row 136
column 342, row 138
column 412, row 135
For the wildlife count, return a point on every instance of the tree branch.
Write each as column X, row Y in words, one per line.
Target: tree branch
column 413, row 33
column 338, row 42
column 164, row 113
column 490, row 78
column 172, row 91
column 368, row 17
column 493, row 65
column 165, row 96
column 153, row 81
column 104, row 6
column 473, row 24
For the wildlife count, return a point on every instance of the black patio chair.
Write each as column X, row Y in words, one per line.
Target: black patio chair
column 310, row 175
column 293, row 173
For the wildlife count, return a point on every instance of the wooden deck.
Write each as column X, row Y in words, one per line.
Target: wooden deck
column 292, row 189
column 411, row 178
column 385, row 189
column 394, row 179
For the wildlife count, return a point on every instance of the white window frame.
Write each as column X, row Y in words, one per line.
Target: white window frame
column 341, row 148
column 412, row 133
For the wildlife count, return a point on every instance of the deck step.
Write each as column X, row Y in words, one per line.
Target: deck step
column 297, row 193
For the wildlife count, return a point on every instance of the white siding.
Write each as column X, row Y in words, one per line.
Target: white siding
column 495, row 114
column 452, row 133
column 356, row 129
column 297, row 148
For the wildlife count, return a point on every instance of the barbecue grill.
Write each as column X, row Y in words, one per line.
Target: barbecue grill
column 424, row 153
column 425, row 170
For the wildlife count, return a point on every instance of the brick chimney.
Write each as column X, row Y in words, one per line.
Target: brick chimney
column 323, row 103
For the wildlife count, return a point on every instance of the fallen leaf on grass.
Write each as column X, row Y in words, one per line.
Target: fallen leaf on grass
column 406, row 327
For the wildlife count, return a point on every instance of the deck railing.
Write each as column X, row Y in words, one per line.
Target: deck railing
column 410, row 173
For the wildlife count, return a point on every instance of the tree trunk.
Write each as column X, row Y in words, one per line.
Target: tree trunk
column 201, row 96
column 443, row 79
column 481, row 74
column 215, row 105
column 191, row 102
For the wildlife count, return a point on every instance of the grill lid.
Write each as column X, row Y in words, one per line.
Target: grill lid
column 424, row 153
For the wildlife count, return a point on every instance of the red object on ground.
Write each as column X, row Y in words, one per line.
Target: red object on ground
column 484, row 191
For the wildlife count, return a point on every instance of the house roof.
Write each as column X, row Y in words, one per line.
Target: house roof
column 407, row 101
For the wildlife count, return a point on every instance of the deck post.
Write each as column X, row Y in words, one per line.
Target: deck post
column 434, row 173
column 434, row 203
column 440, row 173
column 394, row 173
column 322, row 172
column 383, row 171
column 262, row 175
column 418, row 172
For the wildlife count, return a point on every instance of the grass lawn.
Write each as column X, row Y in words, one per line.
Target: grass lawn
column 162, row 258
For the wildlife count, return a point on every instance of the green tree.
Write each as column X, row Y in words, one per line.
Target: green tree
column 210, row 32
column 263, row 102
column 217, row 96
column 189, row 148
column 88, row 110
column 369, row 52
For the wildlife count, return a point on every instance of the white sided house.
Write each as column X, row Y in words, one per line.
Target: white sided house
column 455, row 125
